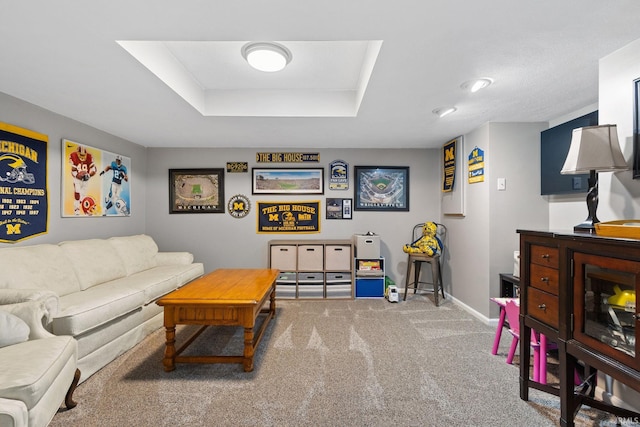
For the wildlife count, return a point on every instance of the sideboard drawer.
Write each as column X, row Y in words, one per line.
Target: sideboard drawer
column 544, row 255
column 543, row 306
column 544, row 278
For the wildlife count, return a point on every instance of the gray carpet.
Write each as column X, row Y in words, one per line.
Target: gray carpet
column 326, row 363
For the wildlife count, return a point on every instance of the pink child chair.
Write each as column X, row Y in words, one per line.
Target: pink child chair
column 540, row 347
column 512, row 310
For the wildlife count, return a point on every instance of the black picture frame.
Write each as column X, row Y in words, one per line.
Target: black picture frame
column 381, row 188
column 287, row 181
column 196, row 190
column 338, row 208
column 636, row 128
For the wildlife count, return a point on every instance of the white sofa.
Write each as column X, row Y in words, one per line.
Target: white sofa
column 102, row 292
column 38, row 368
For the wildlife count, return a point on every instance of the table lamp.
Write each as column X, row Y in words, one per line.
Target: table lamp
column 593, row 149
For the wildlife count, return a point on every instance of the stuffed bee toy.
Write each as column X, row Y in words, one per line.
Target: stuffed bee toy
column 428, row 243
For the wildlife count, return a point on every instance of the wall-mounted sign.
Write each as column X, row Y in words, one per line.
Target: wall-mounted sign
column 239, row 206
column 449, row 165
column 287, row 157
column 24, row 205
column 235, row 167
column 338, row 175
column 289, row 217
column 476, row 166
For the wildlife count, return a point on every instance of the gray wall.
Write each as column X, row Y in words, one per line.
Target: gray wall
column 220, row 240
column 19, row 113
column 482, row 242
column 480, row 245
column 618, row 193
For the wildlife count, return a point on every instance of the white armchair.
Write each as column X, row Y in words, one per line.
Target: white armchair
column 39, row 369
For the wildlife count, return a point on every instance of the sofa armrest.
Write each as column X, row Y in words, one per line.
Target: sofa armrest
column 13, row 413
column 34, row 314
column 168, row 258
column 13, row 296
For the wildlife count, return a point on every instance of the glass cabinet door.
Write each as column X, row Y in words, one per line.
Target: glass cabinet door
column 605, row 306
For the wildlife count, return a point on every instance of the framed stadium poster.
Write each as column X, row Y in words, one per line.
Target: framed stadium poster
column 196, row 191
column 381, row 188
column 288, row 181
column 95, row 182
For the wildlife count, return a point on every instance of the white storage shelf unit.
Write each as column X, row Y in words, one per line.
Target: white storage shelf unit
column 312, row 268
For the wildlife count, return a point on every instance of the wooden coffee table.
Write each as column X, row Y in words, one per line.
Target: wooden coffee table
column 230, row 297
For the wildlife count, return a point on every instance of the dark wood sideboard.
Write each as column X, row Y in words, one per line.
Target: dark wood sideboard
column 579, row 290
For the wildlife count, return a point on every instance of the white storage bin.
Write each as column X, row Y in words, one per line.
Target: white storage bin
column 367, row 246
column 310, row 258
column 283, row 257
column 337, row 257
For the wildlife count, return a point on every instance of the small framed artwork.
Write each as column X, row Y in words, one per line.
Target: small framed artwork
column 288, row 181
column 381, row 188
column 339, row 208
column 636, row 129
column 196, row 191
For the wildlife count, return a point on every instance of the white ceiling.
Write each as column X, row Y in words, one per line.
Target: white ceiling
column 69, row 57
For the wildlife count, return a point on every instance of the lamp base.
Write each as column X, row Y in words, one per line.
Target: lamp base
column 585, row 227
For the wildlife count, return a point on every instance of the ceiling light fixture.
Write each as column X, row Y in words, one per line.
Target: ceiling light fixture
column 266, row 56
column 444, row 111
column 475, row 85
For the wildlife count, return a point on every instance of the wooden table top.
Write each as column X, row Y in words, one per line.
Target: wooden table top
column 224, row 287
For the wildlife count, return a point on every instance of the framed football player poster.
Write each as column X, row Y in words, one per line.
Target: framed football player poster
column 95, row 182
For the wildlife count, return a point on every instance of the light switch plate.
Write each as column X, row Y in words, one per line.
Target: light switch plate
column 577, row 183
column 502, row 184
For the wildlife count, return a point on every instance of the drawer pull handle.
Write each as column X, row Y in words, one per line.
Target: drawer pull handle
column 545, row 256
column 544, row 279
column 542, row 307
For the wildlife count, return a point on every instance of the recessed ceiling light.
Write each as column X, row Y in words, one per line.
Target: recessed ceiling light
column 444, row 111
column 266, row 56
column 477, row 84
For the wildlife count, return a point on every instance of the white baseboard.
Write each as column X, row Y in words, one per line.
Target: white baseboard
column 484, row 319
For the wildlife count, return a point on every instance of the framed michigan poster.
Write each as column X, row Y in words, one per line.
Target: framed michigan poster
column 94, row 182
column 23, row 183
column 196, row 190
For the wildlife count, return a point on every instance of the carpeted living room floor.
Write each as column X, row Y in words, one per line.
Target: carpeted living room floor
column 327, row 363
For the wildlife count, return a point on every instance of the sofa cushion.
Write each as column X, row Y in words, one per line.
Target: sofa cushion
column 137, row 252
column 161, row 280
column 97, row 337
column 29, row 368
column 94, row 261
column 95, row 306
column 13, row 330
column 53, row 271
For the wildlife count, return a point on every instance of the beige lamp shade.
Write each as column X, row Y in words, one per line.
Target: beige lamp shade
column 594, row 148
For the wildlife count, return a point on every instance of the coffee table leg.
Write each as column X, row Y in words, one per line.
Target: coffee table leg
column 169, row 360
column 248, row 350
column 272, row 302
